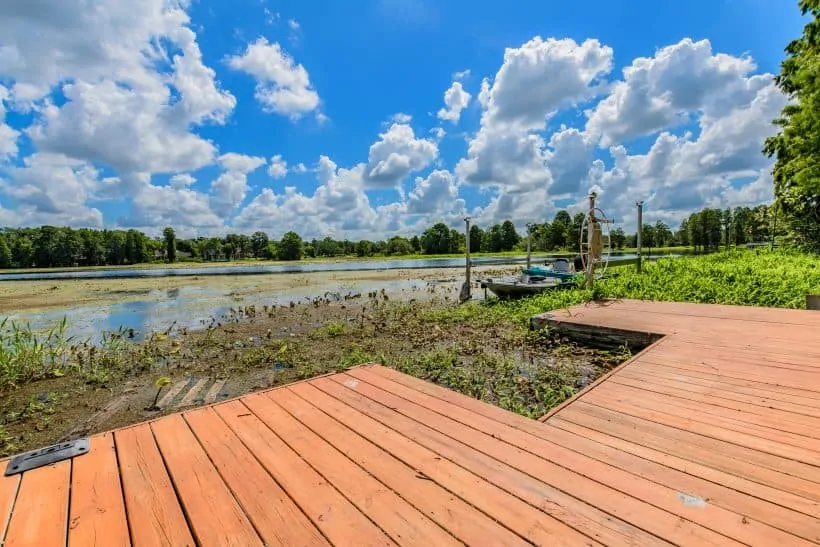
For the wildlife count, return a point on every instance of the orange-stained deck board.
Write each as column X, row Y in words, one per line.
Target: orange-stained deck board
column 711, row 436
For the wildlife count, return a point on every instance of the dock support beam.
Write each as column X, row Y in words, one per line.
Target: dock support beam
column 591, row 224
column 467, row 291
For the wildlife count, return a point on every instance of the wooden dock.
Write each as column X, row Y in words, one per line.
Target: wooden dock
column 709, row 437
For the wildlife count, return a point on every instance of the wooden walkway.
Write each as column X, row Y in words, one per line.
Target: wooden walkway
column 709, row 437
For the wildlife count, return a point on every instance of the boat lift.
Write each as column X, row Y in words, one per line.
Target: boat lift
column 596, row 242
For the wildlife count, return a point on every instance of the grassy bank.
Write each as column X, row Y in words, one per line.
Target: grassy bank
column 777, row 279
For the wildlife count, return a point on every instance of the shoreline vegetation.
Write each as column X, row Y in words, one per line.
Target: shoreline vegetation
column 52, row 387
column 64, row 247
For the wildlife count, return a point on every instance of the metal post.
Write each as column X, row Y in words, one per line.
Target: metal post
column 590, row 234
column 774, row 227
column 529, row 245
column 640, row 229
column 467, row 248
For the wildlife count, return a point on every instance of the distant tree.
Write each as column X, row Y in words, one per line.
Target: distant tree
column 648, row 237
column 458, row 241
column 559, row 233
column 5, row 254
column 618, row 238
column 437, row 239
column 494, row 239
column 328, row 247
column 398, row 246
column 476, row 239
column 663, row 235
column 415, row 241
column 23, row 250
column 170, row 244
column 364, row 248
column 291, row 247
column 574, row 239
column 726, row 223
column 509, row 236
column 211, row 249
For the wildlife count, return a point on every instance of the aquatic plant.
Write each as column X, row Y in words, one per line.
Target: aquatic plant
column 764, row 278
column 503, row 381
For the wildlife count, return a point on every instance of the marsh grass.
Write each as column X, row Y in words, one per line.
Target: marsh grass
column 27, row 355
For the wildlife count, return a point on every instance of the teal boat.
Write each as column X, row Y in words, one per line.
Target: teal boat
column 560, row 269
column 538, row 271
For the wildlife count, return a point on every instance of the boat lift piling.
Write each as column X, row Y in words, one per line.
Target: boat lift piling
column 529, row 246
column 466, row 289
column 591, row 228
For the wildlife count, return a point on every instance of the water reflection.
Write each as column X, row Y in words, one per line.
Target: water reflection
column 301, row 267
column 192, row 307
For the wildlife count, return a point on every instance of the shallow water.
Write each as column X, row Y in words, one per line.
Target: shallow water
column 195, row 306
column 298, row 267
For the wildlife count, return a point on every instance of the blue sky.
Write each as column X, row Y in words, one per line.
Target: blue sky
column 214, row 116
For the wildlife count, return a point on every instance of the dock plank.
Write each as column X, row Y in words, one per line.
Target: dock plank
column 729, row 523
column 431, row 470
column 39, row 519
column 212, row 510
column 97, row 516
column 330, row 511
column 8, row 493
column 150, row 500
column 613, row 501
column 395, row 516
column 773, row 429
column 273, row 513
column 475, row 477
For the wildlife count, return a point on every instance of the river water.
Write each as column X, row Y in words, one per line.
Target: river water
column 296, row 267
column 196, row 304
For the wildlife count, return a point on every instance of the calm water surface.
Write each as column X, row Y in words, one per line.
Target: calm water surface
column 195, row 305
column 299, row 267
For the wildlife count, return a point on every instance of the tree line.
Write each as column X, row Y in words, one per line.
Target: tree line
column 50, row 247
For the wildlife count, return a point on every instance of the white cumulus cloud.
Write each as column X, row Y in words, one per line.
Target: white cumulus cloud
column 282, row 85
column 455, row 100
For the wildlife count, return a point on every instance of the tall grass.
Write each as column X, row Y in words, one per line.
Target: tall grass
column 26, row 355
column 777, row 279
